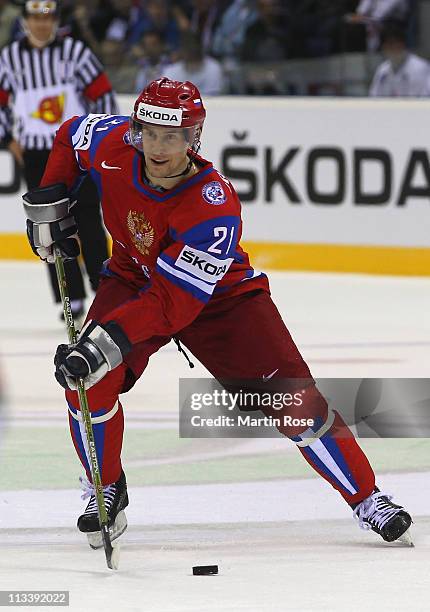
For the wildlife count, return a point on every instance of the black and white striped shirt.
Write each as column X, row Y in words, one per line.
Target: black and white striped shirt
column 42, row 88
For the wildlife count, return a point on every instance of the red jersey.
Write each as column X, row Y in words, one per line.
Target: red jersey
column 178, row 247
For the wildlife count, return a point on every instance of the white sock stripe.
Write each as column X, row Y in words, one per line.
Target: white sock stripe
column 99, row 419
column 316, row 435
column 330, row 463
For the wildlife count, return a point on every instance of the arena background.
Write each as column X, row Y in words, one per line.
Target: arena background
column 326, row 184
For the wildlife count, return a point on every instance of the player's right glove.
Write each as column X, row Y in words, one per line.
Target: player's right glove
column 50, row 222
column 100, row 349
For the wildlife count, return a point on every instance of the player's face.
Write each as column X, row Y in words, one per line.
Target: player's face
column 41, row 27
column 165, row 150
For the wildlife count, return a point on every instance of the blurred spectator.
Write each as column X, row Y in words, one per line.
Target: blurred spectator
column 122, row 73
column 100, row 19
column 152, row 58
column 228, row 37
column 268, row 38
column 75, row 19
column 205, row 18
column 316, row 27
column 117, row 20
column 383, row 10
column 11, row 25
column 195, row 66
column 159, row 16
column 9, row 15
column 125, row 22
column 374, row 12
column 112, row 52
column 402, row 73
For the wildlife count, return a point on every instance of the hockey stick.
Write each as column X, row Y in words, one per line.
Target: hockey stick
column 112, row 554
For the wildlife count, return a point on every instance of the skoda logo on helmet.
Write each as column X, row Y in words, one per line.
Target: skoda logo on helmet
column 159, row 115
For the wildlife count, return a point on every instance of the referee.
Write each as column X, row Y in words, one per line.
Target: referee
column 45, row 80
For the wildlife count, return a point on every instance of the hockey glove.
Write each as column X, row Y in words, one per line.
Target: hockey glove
column 43, row 236
column 100, row 349
column 50, row 222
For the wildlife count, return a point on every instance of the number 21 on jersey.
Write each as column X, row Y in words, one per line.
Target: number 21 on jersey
column 221, row 234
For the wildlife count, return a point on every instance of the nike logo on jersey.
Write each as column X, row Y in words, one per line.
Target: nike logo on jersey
column 107, row 167
column 269, row 376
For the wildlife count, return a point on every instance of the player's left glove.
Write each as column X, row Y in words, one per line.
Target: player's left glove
column 100, row 349
column 50, row 222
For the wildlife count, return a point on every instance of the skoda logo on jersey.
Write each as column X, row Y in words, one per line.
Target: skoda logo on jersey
column 202, row 265
column 158, row 115
column 213, row 193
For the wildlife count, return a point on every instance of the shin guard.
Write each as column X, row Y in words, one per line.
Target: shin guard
column 331, row 449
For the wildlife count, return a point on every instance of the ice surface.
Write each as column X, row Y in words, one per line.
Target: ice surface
column 282, row 538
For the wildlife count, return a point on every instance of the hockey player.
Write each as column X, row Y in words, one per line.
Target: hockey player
column 177, row 271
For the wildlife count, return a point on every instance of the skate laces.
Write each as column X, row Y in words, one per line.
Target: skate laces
column 376, row 510
column 89, row 491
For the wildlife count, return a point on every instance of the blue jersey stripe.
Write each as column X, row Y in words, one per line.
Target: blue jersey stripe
column 186, row 286
column 207, row 234
column 99, row 133
column 186, row 277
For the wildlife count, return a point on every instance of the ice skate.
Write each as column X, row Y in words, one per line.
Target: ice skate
column 116, row 499
column 390, row 521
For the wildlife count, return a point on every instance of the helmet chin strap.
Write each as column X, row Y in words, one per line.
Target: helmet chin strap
column 190, row 163
column 187, row 169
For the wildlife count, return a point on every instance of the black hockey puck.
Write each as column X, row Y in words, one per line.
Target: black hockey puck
column 205, row 570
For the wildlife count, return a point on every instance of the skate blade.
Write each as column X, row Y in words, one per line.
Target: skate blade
column 120, row 525
column 406, row 538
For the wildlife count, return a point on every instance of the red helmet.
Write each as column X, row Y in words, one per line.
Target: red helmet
column 170, row 104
